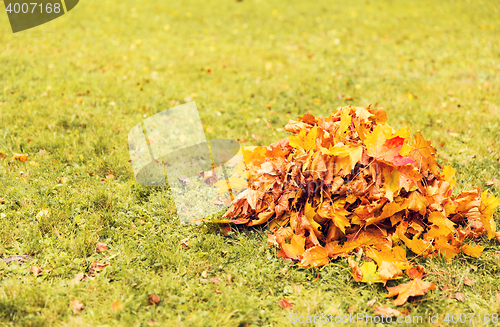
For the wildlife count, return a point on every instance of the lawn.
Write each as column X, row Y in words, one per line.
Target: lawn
column 71, row 90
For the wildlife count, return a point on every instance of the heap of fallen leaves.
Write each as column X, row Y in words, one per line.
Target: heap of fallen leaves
column 349, row 184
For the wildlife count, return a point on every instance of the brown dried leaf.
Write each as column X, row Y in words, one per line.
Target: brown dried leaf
column 153, row 299
column 101, row 247
column 35, row 270
column 76, row 305
column 77, row 279
column 412, row 288
column 116, row 306
column 460, row 297
column 20, row 157
column 286, row 304
column 385, row 311
column 468, row 281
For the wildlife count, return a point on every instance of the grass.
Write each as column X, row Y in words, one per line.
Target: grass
column 75, row 86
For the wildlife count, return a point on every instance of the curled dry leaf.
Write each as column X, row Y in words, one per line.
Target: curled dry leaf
column 385, row 311
column 101, row 247
column 286, row 304
column 153, row 299
column 76, row 305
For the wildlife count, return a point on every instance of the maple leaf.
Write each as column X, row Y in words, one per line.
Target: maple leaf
column 486, row 208
column 389, row 270
column 414, row 287
column 293, row 250
column 473, row 251
column 379, row 145
column 422, row 152
column 305, row 139
column 315, row 257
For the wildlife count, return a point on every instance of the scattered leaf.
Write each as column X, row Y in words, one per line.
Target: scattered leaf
column 385, row 311
column 153, row 299
column 286, row 304
column 101, row 247
column 76, row 305
column 116, row 306
column 35, row 270
column 20, row 157
column 468, row 281
column 414, row 287
column 460, row 297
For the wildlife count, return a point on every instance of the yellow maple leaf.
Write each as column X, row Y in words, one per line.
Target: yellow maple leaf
column 305, row 139
column 473, row 251
column 315, row 256
column 487, row 206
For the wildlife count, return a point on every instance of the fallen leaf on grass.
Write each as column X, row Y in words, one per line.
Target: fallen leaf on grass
column 35, row 270
column 2, row 215
column 20, row 157
column 388, row 270
column 357, row 274
column 215, row 280
column 286, row 304
column 473, row 251
column 371, row 302
column 460, row 297
column 385, row 311
column 185, row 243
column 76, row 305
column 116, row 306
column 98, row 266
column 415, row 272
column 468, row 281
column 497, row 296
column 493, row 181
column 203, row 281
column 101, row 247
column 153, row 299
column 43, row 213
column 77, row 279
column 412, row 288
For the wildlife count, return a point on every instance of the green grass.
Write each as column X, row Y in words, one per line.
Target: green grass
column 75, row 86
